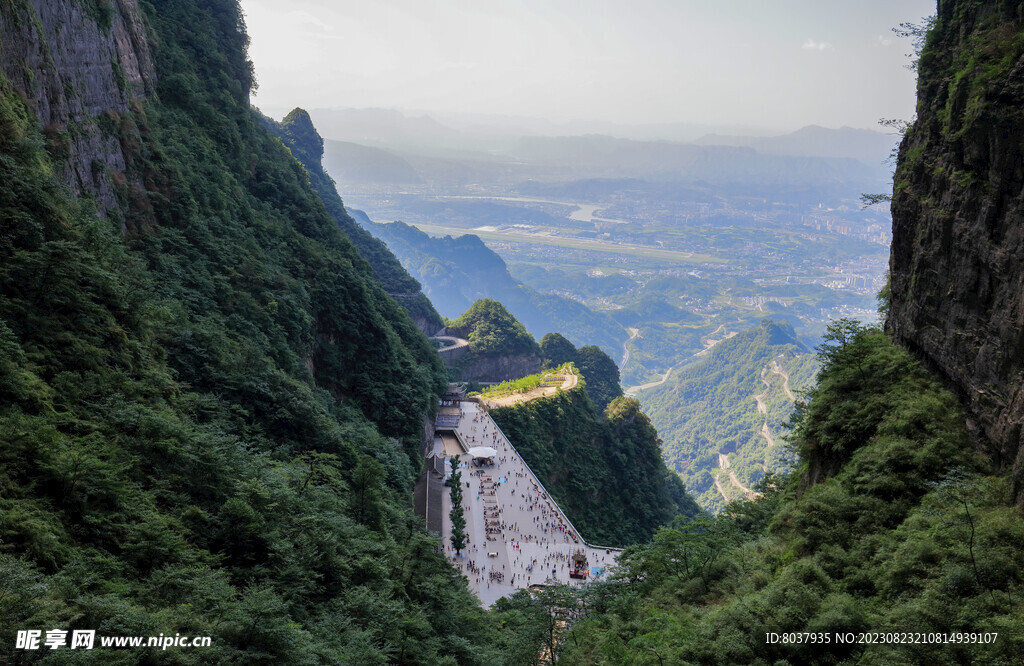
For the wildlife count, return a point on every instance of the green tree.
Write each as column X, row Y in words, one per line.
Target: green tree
column 457, row 514
column 601, row 374
column 557, row 350
column 491, row 330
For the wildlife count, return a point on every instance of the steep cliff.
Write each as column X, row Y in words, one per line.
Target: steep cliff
column 80, row 66
column 957, row 265
column 497, row 368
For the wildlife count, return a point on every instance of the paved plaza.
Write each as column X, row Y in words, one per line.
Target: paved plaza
column 516, row 535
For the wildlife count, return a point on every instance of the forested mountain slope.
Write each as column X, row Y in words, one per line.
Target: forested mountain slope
column 603, row 468
column 209, row 408
column 891, row 523
column 722, row 417
column 297, row 132
column 894, row 520
column 600, row 371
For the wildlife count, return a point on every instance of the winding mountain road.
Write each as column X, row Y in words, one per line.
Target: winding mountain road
column 721, row 490
column 634, row 333
column 710, row 344
column 777, row 369
column 453, row 342
column 760, row 396
column 723, row 464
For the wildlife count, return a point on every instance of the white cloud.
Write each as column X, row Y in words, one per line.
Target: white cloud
column 812, row 45
column 883, row 40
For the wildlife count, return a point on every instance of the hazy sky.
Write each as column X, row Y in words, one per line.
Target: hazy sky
column 780, row 64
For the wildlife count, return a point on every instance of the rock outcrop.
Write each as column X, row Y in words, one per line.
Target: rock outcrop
column 498, row 368
column 957, row 266
column 80, row 65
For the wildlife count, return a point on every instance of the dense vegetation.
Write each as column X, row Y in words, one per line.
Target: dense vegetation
column 210, row 412
column 598, row 369
column 904, row 530
column 710, row 407
column 492, row 331
column 550, row 377
column 209, row 422
column 297, row 132
column 605, row 470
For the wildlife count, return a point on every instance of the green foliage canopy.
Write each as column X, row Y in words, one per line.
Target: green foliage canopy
column 492, row 330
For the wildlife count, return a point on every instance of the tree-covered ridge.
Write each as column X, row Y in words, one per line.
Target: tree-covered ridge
column 603, row 469
column 297, row 132
column 713, row 407
column 209, row 421
column 492, row 330
column 902, row 531
column 597, row 368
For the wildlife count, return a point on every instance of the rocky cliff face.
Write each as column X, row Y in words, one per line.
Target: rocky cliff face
column 957, row 265
column 79, row 65
column 499, row 368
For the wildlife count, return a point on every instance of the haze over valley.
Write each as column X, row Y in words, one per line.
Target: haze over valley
column 655, row 234
column 652, row 250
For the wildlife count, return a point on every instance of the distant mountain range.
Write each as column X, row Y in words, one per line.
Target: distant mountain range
column 596, row 156
column 814, row 141
column 386, row 149
column 356, row 164
column 423, row 134
column 376, row 126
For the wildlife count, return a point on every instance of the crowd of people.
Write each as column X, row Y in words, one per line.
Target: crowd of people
column 526, row 537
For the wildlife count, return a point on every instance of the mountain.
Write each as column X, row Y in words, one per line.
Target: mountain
column 597, row 156
column 381, row 127
column 957, row 254
column 297, row 132
column 211, row 410
column 722, row 416
column 882, row 538
column 455, row 272
column 602, row 466
column 598, row 369
column 863, row 145
column 500, row 348
column 903, row 508
column 355, row 164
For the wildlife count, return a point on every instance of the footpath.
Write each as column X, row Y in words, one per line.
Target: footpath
column 516, row 398
column 517, row 535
